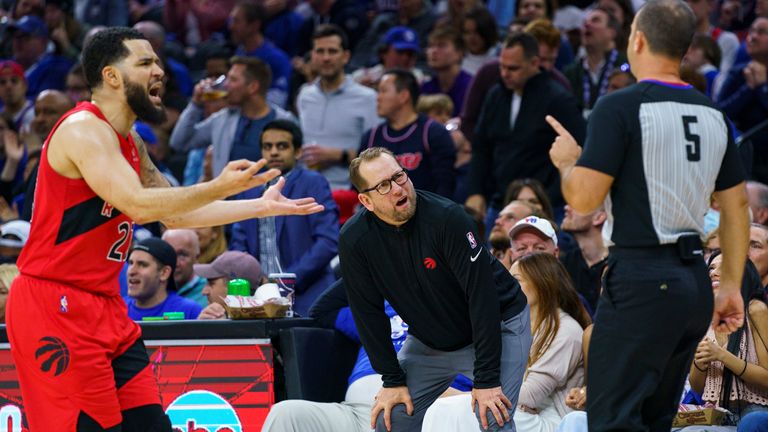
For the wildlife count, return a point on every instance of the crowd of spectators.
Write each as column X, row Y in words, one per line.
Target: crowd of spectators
column 457, row 89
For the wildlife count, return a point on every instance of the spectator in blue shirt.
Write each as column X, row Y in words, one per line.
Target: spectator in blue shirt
column 151, row 286
column 246, row 24
column 282, row 26
column 43, row 70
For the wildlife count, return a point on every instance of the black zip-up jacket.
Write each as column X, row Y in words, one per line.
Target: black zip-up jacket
column 438, row 275
column 501, row 154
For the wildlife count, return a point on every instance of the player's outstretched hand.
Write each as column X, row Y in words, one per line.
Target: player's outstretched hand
column 729, row 311
column 278, row 204
column 565, row 151
column 241, row 175
column 388, row 398
column 492, row 399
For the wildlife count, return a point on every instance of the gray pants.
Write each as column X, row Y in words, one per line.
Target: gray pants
column 429, row 372
column 352, row 415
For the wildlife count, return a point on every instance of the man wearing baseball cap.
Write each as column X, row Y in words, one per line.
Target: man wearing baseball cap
column 13, row 237
column 13, row 90
column 399, row 48
column 533, row 234
column 151, row 288
column 43, row 70
column 229, row 265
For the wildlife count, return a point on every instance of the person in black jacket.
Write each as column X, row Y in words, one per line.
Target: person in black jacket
column 466, row 313
column 512, row 140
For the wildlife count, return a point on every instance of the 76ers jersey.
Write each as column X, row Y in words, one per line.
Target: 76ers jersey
column 76, row 237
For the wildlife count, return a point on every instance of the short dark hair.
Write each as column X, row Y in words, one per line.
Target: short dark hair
column 366, row 156
column 253, row 11
column 447, row 33
column 106, row 48
column 485, row 24
column 405, row 80
column 549, row 12
column 668, row 26
column 613, row 22
column 255, row 69
column 529, row 44
column 709, row 47
column 297, row 138
column 328, row 30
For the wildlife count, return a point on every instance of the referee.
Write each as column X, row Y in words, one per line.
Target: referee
column 661, row 149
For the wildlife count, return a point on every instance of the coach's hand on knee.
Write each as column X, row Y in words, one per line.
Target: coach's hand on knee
column 492, row 399
column 387, row 399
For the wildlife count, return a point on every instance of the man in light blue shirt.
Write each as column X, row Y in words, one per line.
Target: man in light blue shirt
column 334, row 110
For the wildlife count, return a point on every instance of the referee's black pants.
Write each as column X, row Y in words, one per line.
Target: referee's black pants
column 654, row 310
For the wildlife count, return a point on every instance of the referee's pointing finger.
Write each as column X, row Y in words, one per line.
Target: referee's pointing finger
column 557, row 126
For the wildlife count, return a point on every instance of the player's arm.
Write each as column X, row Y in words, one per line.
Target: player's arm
column 221, row 212
column 86, row 147
column 151, row 177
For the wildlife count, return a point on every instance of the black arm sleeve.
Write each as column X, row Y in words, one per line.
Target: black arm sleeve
column 472, row 268
column 605, row 146
column 367, row 305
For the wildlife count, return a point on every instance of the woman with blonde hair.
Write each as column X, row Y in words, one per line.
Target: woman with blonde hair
column 213, row 242
column 555, row 364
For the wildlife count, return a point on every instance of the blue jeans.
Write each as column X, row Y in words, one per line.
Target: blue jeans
column 755, row 419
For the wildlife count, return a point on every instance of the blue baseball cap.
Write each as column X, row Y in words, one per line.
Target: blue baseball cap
column 402, row 38
column 30, row 24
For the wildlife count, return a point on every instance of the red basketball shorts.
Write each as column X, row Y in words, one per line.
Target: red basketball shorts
column 75, row 352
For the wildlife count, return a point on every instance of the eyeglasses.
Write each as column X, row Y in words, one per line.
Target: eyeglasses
column 385, row 186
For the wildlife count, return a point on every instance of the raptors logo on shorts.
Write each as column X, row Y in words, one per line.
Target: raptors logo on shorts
column 53, row 353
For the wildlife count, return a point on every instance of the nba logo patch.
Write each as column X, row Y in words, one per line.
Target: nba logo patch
column 63, row 304
column 471, row 238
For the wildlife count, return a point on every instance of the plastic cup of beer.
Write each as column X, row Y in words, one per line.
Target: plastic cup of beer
column 215, row 89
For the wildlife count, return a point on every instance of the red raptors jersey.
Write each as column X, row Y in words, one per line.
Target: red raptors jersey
column 76, row 237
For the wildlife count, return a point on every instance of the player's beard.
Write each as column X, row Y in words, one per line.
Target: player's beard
column 139, row 101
